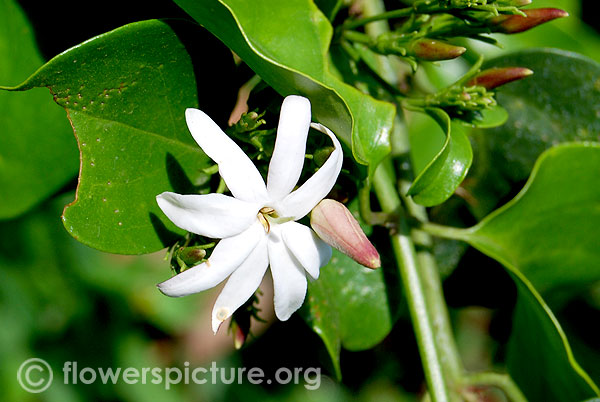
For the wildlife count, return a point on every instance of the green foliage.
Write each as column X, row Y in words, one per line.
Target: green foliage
column 558, row 103
column 132, row 135
column 546, row 231
column 351, row 306
column 539, row 357
column 258, row 33
column 438, row 180
column 125, row 93
column 544, row 236
column 37, row 151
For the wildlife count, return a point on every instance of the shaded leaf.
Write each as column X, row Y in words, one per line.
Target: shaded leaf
column 38, row 154
column 559, row 103
column 539, row 357
column 547, row 237
column 350, row 306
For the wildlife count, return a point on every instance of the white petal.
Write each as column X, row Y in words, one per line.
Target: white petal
column 290, row 146
column 225, row 258
column 301, row 201
column 289, row 278
column 210, row 215
column 241, row 284
column 242, row 178
column 312, row 252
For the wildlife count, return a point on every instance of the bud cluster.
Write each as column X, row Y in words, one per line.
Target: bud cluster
column 185, row 257
column 247, row 131
column 473, row 98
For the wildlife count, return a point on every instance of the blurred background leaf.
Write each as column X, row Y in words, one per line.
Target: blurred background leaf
column 38, row 154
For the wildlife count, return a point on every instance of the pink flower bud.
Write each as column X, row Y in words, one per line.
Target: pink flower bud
column 435, row 50
column 336, row 226
column 510, row 24
column 494, row 77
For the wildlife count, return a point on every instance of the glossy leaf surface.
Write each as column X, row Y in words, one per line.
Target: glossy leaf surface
column 260, row 33
column 547, row 237
column 549, row 231
column 125, row 97
column 440, row 178
column 558, row 103
column 351, row 306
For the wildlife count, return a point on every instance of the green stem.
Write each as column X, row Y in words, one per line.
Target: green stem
column 501, row 381
column 403, row 12
column 434, row 295
column 358, row 37
column 406, row 257
column 446, row 232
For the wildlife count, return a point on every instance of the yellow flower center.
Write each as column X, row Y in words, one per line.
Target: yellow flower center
column 263, row 216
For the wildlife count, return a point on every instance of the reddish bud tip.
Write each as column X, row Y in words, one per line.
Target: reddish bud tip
column 510, row 24
column 336, row 226
column 239, row 337
column 435, row 50
column 494, row 77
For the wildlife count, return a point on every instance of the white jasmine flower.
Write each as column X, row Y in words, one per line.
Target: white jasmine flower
column 257, row 225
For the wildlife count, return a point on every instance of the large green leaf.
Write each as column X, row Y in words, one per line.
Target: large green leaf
column 286, row 44
column 550, row 230
column 351, row 306
column 37, row 151
column 539, row 357
column 559, row 103
column 125, row 93
column 444, row 173
column 547, row 236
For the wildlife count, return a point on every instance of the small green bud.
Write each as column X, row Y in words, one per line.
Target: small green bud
column 187, row 257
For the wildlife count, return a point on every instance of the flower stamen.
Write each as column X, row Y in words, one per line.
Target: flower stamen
column 264, row 222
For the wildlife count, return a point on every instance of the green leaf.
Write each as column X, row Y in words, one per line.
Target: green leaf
column 444, row 173
column 126, row 92
column 488, row 118
column 38, row 154
column 559, row 103
column 539, row 357
column 351, row 306
column 550, row 230
column 286, row 44
column 547, row 237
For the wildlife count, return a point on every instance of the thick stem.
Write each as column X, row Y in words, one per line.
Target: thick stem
column 434, row 293
column 408, row 264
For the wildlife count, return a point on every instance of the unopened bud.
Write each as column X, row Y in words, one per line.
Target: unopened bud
column 494, row 77
column 187, row 257
column 435, row 50
column 239, row 335
column 510, row 24
column 336, row 226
